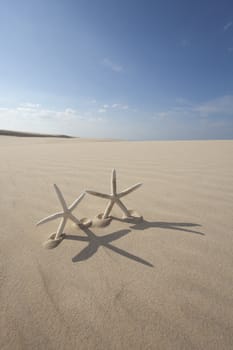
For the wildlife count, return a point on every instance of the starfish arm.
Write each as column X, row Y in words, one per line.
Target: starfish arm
column 108, row 209
column 74, row 219
column 49, row 218
column 129, row 190
column 123, row 207
column 113, row 182
column 98, row 194
column 76, row 202
column 61, row 227
column 60, row 197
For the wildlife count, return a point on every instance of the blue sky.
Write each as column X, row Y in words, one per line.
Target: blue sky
column 126, row 69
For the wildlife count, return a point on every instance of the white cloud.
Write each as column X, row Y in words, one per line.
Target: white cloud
column 119, row 106
column 221, row 106
column 227, row 26
column 32, row 111
column 113, row 66
column 30, row 105
column 114, row 106
column 95, row 119
column 161, row 115
column 70, row 111
column 101, row 110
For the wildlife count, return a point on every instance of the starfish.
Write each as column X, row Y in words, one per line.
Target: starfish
column 114, row 197
column 65, row 214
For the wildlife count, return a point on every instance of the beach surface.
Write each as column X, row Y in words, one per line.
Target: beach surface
column 165, row 283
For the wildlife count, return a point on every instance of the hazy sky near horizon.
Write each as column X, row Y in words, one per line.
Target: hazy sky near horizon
column 125, row 68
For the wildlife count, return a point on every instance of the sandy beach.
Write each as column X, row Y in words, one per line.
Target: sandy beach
column 165, row 283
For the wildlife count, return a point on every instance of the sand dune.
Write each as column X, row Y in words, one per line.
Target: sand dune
column 29, row 134
column 165, row 283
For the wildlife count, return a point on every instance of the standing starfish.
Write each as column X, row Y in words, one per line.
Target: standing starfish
column 114, row 197
column 65, row 214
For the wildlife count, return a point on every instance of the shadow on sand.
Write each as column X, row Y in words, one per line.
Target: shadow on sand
column 94, row 242
column 179, row 226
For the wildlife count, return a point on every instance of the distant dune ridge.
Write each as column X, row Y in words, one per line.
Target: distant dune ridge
column 31, row 134
column 164, row 283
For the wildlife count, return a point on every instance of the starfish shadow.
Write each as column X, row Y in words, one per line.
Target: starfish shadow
column 178, row 226
column 95, row 242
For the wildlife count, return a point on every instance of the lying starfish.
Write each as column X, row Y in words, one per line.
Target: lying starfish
column 114, row 197
column 65, row 214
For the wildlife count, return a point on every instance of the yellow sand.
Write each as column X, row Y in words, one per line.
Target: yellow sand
column 114, row 298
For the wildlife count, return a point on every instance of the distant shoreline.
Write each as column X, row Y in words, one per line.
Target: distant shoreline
column 31, row 134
